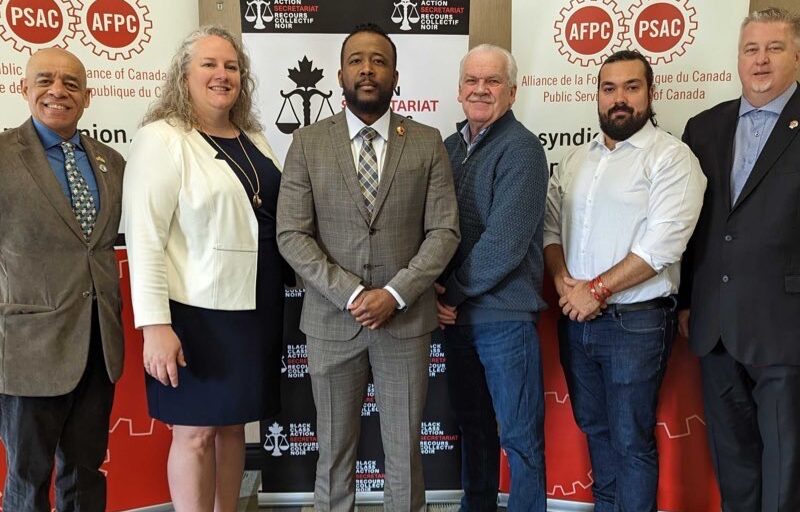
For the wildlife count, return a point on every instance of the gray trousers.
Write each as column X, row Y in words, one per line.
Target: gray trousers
column 339, row 373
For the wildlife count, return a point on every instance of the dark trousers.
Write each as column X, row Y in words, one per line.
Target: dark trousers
column 72, row 429
column 614, row 366
column 753, row 418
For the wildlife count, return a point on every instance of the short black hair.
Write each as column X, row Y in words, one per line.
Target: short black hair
column 626, row 55
column 629, row 55
column 375, row 29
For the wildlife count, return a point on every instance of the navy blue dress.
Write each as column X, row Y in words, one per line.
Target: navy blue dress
column 233, row 357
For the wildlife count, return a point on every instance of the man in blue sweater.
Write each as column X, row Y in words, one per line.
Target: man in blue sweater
column 490, row 294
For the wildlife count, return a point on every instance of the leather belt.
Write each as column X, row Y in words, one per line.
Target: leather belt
column 660, row 302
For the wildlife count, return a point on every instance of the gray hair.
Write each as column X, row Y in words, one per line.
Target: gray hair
column 175, row 104
column 776, row 15
column 511, row 63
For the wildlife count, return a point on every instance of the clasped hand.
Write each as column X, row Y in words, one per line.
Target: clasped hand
column 373, row 308
column 577, row 301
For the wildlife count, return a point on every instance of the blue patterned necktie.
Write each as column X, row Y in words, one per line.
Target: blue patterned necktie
column 82, row 201
column 368, row 167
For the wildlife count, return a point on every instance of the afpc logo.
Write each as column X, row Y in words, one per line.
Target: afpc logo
column 589, row 31
column 110, row 28
column 115, row 29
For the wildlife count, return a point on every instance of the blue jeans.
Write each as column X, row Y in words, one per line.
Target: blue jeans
column 614, row 366
column 494, row 376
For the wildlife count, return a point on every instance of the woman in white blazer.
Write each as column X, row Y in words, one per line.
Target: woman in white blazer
column 199, row 199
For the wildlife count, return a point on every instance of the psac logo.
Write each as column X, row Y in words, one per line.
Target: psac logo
column 589, row 31
column 112, row 29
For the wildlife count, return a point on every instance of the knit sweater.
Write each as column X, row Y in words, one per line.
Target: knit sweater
column 501, row 186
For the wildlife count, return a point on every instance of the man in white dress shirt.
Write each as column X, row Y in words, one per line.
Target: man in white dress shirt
column 620, row 212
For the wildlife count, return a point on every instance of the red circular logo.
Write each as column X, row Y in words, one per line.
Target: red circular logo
column 659, row 27
column 589, row 30
column 113, row 23
column 35, row 21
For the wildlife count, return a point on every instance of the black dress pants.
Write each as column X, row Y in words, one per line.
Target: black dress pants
column 753, row 418
column 72, row 429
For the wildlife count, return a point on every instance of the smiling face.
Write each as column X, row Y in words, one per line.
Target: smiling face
column 55, row 89
column 213, row 79
column 768, row 61
column 484, row 90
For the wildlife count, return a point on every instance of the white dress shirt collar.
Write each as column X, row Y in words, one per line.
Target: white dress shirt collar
column 354, row 124
column 641, row 139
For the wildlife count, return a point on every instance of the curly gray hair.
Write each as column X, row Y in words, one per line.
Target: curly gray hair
column 175, row 104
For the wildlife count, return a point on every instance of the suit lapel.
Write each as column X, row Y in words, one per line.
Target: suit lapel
column 340, row 138
column 35, row 161
column 394, row 151
column 727, row 137
column 95, row 160
column 780, row 138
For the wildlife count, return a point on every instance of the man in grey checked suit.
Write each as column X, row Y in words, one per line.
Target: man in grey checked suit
column 367, row 216
column 60, row 330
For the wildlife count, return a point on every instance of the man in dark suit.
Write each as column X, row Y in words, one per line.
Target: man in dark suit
column 60, row 330
column 742, row 277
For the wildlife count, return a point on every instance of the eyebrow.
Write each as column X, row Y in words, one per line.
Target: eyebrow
column 626, row 82
column 65, row 76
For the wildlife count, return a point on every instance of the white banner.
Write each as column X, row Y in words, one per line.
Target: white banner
column 296, row 63
column 125, row 46
column 690, row 43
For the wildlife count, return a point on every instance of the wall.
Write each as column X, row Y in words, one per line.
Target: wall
column 490, row 20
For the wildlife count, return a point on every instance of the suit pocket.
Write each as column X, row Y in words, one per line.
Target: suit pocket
column 792, row 283
column 234, row 275
column 24, row 309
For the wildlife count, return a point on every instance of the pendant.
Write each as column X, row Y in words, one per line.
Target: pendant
column 256, row 201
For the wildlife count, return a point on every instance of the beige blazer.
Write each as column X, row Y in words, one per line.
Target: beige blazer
column 190, row 229
column 327, row 235
column 49, row 274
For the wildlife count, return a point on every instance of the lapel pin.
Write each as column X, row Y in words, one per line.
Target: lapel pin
column 401, row 130
column 101, row 163
column 793, row 124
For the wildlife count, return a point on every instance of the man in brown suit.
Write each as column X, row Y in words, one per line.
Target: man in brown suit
column 367, row 217
column 60, row 330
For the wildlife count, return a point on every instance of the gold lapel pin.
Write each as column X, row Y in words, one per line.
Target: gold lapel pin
column 401, row 130
column 101, row 163
column 793, row 124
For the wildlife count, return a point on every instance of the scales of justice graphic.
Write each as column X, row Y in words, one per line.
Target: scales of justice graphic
column 276, row 441
column 258, row 11
column 306, row 81
column 409, row 14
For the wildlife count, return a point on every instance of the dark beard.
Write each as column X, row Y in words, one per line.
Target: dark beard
column 376, row 106
column 623, row 129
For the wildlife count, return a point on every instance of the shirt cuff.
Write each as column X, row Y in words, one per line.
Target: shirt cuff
column 359, row 289
column 551, row 239
column 400, row 303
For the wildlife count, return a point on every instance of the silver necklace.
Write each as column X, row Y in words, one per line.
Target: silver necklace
column 256, row 199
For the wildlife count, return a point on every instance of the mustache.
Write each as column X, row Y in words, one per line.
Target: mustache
column 620, row 108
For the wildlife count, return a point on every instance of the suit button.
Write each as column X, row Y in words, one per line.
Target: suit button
column 728, row 238
column 367, row 266
column 86, row 294
column 372, row 231
column 725, row 279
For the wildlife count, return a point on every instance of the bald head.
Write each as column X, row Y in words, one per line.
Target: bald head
column 55, row 89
